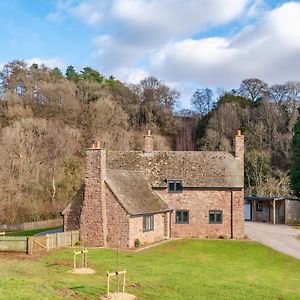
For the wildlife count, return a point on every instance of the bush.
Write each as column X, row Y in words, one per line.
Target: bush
column 137, row 243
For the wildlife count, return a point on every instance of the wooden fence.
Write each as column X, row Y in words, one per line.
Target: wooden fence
column 31, row 225
column 36, row 244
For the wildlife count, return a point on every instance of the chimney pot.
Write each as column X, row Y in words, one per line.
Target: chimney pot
column 238, row 133
column 98, row 145
column 149, row 132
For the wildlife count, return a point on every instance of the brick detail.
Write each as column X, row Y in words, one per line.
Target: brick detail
column 72, row 215
column 117, row 222
column 198, row 203
column 93, row 222
column 238, row 214
column 136, row 230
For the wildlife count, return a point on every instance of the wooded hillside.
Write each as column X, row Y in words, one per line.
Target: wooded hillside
column 47, row 119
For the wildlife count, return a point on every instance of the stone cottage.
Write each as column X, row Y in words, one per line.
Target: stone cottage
column 147, row 196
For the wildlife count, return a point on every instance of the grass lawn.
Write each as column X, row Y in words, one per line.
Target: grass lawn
column 30, row 232
column 182, row 269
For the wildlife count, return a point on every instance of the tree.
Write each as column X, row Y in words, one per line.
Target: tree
column 56, row 74
column 228, row 97
column 202, row 100
column 254, row 89
column 155, row 103
column 295, row 165
column 71, row 74
column 13, row 77
column 91, row 75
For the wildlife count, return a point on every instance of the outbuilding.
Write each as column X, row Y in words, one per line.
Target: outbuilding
column 276, row 210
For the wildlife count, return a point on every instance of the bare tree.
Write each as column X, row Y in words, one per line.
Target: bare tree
column 202, row 100
column 254, row 89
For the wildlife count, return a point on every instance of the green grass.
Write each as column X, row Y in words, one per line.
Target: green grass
column 182, row 269
column 30, row 232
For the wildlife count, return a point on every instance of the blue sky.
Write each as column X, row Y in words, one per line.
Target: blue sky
column 187, row 44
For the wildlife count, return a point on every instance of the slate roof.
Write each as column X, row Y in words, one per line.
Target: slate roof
column 211, row 169
column 134, row 193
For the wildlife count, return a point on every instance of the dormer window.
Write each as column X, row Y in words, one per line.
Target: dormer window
column 175, row 186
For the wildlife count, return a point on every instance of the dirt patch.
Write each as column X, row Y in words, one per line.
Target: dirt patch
column 119, row 296
column 136, row 286
column 69, row 293
column 22, row 256
column 66, row 293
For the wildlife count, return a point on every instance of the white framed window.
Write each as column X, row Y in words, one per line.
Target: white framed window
column 148, row 223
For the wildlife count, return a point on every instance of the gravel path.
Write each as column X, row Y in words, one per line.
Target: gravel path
column 50, row 232
column 282, row 238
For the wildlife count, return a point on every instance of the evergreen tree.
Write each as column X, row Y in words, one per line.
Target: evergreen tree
column 295, row 166
column 71, row 74
column 91, row 75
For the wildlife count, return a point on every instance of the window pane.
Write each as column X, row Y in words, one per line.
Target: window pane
column 211, row 217
column 185, row 216
column 178, row 186
column 171, row 186
column 148, row 223
column 219, row 217
column 178, row 216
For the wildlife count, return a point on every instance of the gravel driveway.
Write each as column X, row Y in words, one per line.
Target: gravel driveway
column 58, row 230
column 282, row 238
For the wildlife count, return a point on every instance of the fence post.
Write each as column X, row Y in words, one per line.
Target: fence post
column 71, row 238
column 47, row 241
column 57, row 240
column 30, row 245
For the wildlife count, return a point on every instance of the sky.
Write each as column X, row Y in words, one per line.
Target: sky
column 187, row 44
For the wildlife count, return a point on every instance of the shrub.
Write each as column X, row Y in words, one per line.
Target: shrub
column 137, row 243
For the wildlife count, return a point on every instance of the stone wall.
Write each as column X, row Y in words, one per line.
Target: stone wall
column 266, row 213
column 292, row 212
column 117, row 222
column 167, row 224
column 73, row 212
column 198, row 203
column 148, row 142
column 93, row 222
column 238, row 214
column 239, row 151
column 136, row 230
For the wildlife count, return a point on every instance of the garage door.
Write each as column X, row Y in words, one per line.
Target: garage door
column 247, row 211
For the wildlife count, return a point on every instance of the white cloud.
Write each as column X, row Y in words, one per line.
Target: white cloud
column 49, row 62
column 162, row 20
column 269, row 50
column 132, row 75
column 92, row 11
column 137, row 38
column 133, row 29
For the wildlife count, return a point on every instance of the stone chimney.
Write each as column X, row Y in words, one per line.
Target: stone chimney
column 93, row 219
column 148, row 142
column 239, row 149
